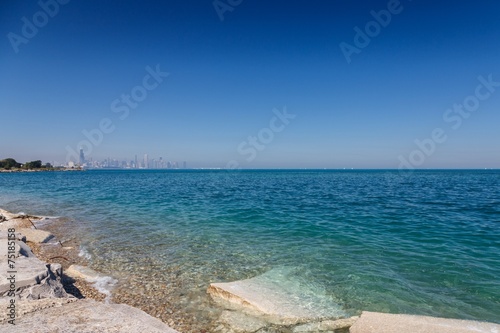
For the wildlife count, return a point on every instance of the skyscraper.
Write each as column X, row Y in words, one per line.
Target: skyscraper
column 82, row 156
column 146, row 161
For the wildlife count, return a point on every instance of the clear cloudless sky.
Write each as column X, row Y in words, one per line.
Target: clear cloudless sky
column 227, row 76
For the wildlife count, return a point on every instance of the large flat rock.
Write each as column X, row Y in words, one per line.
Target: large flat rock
column 35, row 235
column 82, row 272
column 20, row 249
column 28, row 271
column 8, row 215
column 373, row 322
column 26, row 306
column 4, row 234
column 87, row 316
column 5, row 244
column 25, row 275
column 278, row 296
column 14, row 223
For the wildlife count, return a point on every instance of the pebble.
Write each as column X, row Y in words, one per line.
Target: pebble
column 163, row 292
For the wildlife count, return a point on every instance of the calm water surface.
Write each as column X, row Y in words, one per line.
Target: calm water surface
column 426, row 242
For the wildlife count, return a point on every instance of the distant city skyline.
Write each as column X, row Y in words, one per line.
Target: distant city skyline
column 343, row 84
column 146, row 162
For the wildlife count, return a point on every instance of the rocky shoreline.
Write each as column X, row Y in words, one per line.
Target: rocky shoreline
column 37, row 294
column 50, row 286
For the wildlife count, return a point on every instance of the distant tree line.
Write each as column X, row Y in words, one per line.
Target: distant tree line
column 10, row 163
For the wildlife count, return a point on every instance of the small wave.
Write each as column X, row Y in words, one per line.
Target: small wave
column 84, row 253
column 105, row 284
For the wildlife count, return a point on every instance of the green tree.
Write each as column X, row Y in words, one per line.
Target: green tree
column 9, row 163
column 33, row 165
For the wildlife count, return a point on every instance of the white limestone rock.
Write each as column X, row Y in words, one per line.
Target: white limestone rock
column 87, row 316
column 25, row 275
column 24, row 306
column 278, row 297
column 20, row 249
column 36, row 235
column 5, row 251
column 9, row 224
column 7, row 215
column 82, row 272
column 374, row 322
column 28, row 272
column 4, row 234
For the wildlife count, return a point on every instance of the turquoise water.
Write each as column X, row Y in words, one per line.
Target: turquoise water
column 426, row 242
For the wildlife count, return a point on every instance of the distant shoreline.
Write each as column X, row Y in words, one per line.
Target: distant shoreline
column 38, row 170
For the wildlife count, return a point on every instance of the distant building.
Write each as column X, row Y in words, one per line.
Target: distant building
column 82, row 156
column 184, row 165
column 146, row 161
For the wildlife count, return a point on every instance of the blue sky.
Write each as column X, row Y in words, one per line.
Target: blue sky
column 227, row 76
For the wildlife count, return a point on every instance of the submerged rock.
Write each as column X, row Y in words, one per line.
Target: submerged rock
column 339, row 325
column 240, row 323
column 278, row 297
column 373, row 322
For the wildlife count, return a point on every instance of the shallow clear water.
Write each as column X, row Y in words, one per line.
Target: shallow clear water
column 425, row 242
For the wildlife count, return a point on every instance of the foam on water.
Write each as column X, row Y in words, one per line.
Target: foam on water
column 84, row 253
column 105, row 285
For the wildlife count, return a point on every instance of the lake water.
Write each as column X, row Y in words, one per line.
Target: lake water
column 422, row 242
